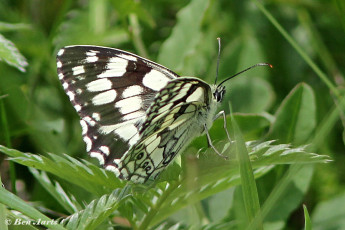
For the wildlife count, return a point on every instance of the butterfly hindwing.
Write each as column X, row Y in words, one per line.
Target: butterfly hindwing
column 111, row 90
column 169, row 127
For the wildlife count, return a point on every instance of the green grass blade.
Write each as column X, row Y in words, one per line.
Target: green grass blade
column 248, row 185
column 307, row 221
column 298, row 49
column 6, row 133
column 286, row 195
column 3, row 214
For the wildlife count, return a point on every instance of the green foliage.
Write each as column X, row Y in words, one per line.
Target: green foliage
column 96, row 212
column 307, row 222
column 164, row 197
column 323, row 218
column 69, row 169
column 15, row 203
column 285, row 122
column 296, row 117
column 10, row 54
column 179, row 45
column 248, row 186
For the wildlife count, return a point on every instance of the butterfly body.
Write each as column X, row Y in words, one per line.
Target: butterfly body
column 136, row 115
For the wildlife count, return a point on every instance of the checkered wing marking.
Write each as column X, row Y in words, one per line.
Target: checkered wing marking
column 111, row 90
column 172, row 123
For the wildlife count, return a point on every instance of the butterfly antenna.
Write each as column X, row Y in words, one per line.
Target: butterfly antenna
column 245, row 70
column 218, row 59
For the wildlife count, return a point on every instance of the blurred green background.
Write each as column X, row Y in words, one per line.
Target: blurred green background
column 37, row 117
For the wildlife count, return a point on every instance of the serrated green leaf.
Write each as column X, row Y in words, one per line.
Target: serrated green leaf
column 69, row 203
column 70, row 170
column 265, row 152
column 215, row 175
column 97, row 211
column 16, row 203
column 10, row 54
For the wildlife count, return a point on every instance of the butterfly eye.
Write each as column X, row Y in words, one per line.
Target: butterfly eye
column 219, row 93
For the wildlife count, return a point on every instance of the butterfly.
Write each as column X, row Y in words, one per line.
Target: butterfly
column 136, row 115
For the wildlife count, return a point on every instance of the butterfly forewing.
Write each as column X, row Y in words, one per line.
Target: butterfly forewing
column 111, row 90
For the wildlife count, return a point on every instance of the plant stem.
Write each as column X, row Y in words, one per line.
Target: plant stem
column 137, row 40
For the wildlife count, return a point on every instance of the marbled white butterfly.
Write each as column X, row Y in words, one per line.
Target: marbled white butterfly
column 136, row 115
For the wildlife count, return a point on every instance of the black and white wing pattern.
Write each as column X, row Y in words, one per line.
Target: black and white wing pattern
column 136, row 115
column 176, row 117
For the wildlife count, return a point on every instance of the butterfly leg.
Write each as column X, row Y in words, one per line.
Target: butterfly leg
column 222, row 113
column 209, row 141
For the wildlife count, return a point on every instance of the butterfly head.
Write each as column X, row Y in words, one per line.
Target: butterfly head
column 219, row 92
